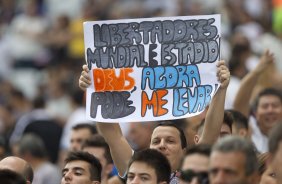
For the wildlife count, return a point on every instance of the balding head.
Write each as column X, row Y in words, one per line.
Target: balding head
column 18, row 165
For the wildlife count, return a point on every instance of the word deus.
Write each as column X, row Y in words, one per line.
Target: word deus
column 109, row 80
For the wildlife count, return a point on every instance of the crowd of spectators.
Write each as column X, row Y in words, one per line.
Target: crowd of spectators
column 42, row 108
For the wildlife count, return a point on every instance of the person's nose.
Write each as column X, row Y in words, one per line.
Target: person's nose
column 135, row 180
column 219, row 178
column 68, row 176
column 162, row 145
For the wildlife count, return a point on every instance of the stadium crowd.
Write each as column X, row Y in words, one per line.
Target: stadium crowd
column 45, row 137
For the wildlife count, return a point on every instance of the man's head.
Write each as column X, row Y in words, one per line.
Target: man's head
column 11, row 177
column 232, row 161
column 170, row 141
column 18, row 165
column 195, row 165
column 98, row 147
column 268, row 109
column 275, row 149
column 139, row 134
column 226, row 127
column 81, row 168
column 32, row 147
column 148, row 166
column 240, row 125
column 189, row 127
column 79, row 134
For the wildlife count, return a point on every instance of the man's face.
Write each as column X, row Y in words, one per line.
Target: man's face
column 141, row 173
column 77, row 172
column 269, row 112
column 197, row 165
column 99, row 153
column 78, row 137
column 227, row 168
column 166, row 139
column 268, row 177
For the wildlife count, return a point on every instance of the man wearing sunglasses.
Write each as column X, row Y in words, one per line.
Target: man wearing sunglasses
column 195, row 165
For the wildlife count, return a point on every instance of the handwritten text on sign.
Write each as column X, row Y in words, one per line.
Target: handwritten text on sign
column 151, row 69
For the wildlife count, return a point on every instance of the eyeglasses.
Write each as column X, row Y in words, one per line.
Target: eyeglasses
column 188, row 175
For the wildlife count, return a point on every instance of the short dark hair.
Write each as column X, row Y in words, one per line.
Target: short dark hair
column 99, row 141
column 239, row 120
column 32, row 144
column 202, row 149
column 11, row 177
column 237, row 144
column 95, row 166
column 181, row 133
column 154, row 159
column 91, row 127
column 266, row 92
column 227, row 119
column 275, row 137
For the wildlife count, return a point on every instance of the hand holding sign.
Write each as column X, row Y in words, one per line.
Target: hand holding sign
column 223, row 74
column 84, row 79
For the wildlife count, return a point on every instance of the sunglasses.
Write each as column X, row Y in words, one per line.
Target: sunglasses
column 188, row 175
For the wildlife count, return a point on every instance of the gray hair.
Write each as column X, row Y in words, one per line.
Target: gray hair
column 237, row 144
column 32, row 144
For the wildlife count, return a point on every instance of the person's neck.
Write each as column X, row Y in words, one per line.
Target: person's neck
column 104, row 180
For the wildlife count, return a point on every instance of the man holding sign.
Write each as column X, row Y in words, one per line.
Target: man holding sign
column 176, row 73
column 121, row 150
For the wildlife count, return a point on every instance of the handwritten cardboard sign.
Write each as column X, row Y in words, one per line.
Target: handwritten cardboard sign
column 151, row 69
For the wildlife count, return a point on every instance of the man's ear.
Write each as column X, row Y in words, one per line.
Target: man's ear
column 243, row 132
column 196, row 139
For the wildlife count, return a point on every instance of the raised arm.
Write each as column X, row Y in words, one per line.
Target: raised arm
column 214, row 117
column 121, row 151
column 248, row 83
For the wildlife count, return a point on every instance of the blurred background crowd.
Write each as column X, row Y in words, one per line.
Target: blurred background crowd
column 42, row 52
